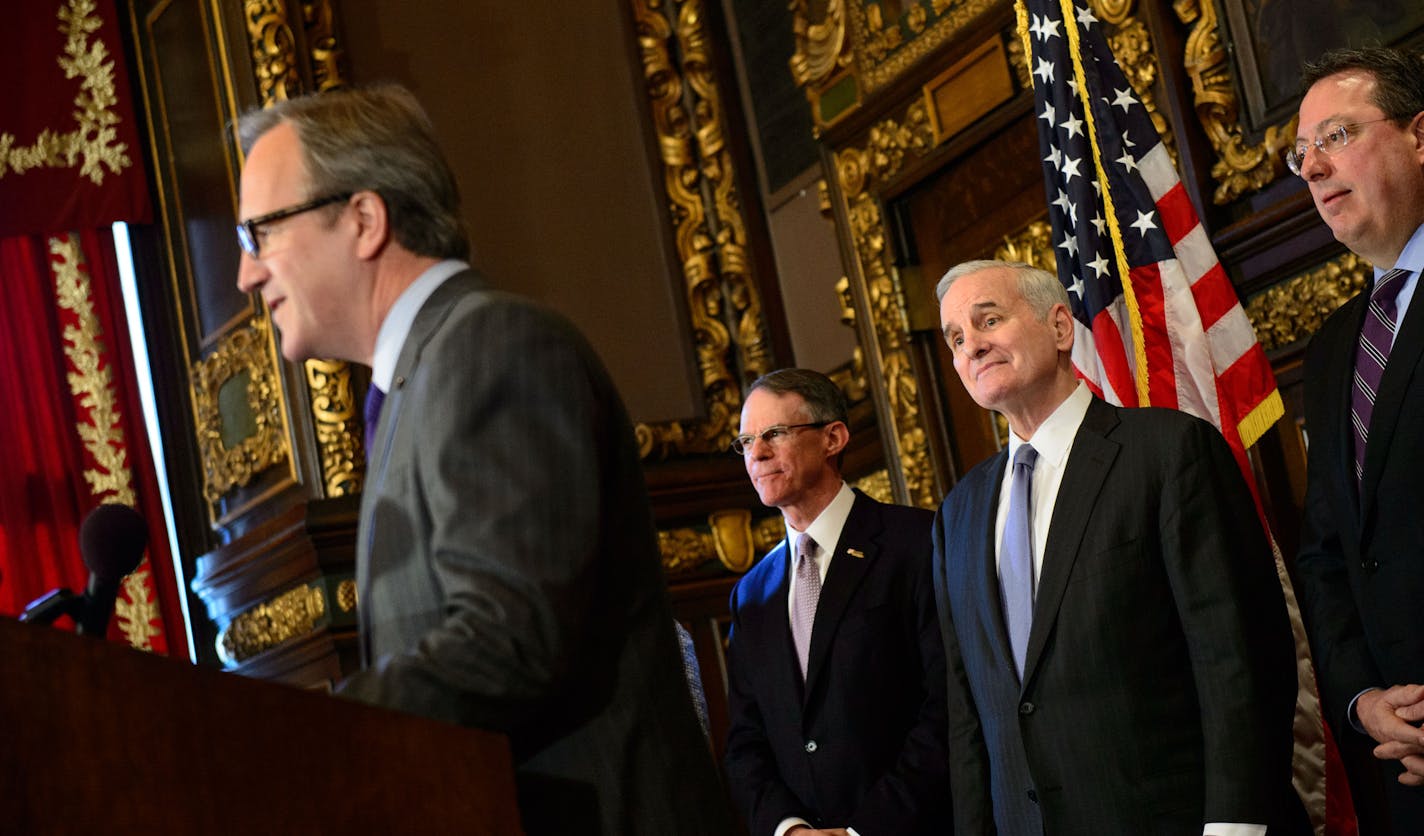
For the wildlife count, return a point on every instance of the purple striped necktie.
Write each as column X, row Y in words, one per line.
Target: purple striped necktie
column 1371, row 355
column 374, row 398
column 808, row 593
column 1016, row 557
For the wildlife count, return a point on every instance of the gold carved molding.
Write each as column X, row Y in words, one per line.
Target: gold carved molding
column 293, row 613
column 709, row 227
column 327, row 59
column 820, row 44
column 91, row 382
column 1295, row 308
column 730, row 537
column 338, row 433
column 860, row 174
column 883, row 49
column 246, row 350
column 1031, row 245
column 1240, row 168
column 92, row 144
column 274, row 50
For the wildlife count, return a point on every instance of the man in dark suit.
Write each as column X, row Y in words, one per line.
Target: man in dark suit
column 835, row 666
column 1361, row 562
column 507, row 564
column 1120, row 658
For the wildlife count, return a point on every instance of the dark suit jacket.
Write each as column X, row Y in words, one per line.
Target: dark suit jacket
column 862, row 743
column 1361, row 559
column 1159, row 686
column 509, row 572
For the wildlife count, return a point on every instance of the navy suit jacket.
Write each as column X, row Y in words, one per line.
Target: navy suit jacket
column 1159, row 687
column 862, row 742
column 509, row 571
column 1361, row 559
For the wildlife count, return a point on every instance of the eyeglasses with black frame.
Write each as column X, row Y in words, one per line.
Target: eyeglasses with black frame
column 247, row 230
column 774, row 435
column 1328, row 143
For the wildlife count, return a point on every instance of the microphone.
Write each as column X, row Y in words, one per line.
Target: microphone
column 111, row 539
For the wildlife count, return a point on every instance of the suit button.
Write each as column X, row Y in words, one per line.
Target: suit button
column 1026, row 708
column 1033, row 796
column 810, row 746
column 1369, row 565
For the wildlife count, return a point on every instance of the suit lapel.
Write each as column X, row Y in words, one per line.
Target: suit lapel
column 1403, row 361
column 856, row 551
column 983, row 568
column 426, row 323
column 1084, row 476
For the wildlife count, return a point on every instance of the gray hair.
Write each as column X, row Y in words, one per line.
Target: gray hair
column 1039, row 288
column 377, row 139
column 824, row 399
column 1398, row 75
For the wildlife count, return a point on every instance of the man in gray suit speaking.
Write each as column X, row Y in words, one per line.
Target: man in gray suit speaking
column 506, row 559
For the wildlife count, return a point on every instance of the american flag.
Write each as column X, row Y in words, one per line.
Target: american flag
column 1174, row 334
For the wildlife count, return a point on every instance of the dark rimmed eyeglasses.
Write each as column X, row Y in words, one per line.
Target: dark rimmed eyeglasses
column 247, row 231
column 1328, row 143
column 742, row 444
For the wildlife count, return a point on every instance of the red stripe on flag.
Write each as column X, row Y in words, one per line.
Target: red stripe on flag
column 1178, row 216
column 1107, row 340
column 1214, row 296
column 1161, row 369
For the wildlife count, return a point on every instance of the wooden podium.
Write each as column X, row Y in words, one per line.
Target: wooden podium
column 98, row 738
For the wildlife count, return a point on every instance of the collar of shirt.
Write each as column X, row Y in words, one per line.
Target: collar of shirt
column 1410, row 258
column 396, row 326
column 826, row 531
column 1053, row 441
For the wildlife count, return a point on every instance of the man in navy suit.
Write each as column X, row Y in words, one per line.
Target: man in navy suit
column 1360, row 150
column 835, row 664
column 1120, row 659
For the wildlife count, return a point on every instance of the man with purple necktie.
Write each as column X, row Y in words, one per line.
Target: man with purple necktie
column 1360, row 149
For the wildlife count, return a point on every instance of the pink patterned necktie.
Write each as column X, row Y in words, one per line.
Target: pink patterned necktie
column 808, row 593
column 1371, row 355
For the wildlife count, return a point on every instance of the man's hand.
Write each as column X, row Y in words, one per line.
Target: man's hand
column 1391, row 717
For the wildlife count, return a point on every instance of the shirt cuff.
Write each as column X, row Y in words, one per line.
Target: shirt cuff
column 788, row 823
column 1354, row 716
column 1233, row 829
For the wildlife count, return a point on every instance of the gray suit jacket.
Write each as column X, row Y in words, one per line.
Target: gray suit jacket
column 1159, row 687
column 509, row 572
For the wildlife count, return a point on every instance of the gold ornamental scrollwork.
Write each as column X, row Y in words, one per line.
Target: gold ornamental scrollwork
column 860, row 171
column 1031, row 245
column 327, row 57
column 730, row 537
column 293, row 613
column 93, row 143
column 709, row 227
column 1295, row 308
column 245, row 351
column 274, row 50
column 883, row 50
column 337, row 430
column 1240, row 168
column 820, row 44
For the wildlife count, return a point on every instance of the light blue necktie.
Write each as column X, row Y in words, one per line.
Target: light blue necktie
column 808, row 594
column 1016, row 557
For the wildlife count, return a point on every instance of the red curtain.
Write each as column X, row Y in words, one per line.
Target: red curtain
column 72, row 433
